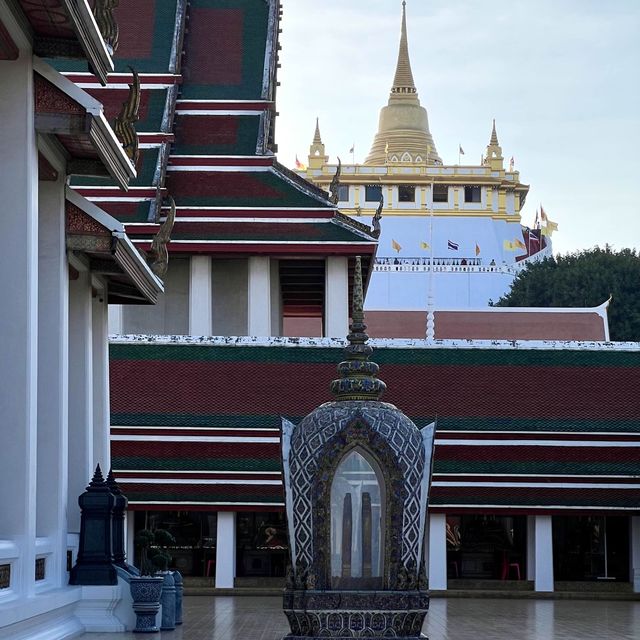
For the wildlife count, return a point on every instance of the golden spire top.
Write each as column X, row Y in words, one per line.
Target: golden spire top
column 316, row 136
column 403, row 129
column 494, row 136
column 403, row 80
column 494, row 157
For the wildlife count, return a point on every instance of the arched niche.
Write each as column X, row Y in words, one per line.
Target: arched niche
column 358, row 505
column 406, row 157
column 361, row 438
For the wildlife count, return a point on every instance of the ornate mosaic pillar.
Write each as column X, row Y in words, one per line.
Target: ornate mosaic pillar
column 357, row 475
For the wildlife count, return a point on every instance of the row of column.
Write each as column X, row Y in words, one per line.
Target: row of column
column 539, row 551
column 54, row 391
column 264, row 313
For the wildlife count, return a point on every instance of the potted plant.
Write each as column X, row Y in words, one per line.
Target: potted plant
column 161, row 559
column 146, row 588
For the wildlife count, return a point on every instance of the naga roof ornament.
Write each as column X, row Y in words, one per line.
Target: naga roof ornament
column 335, row 183
column 103, row 13
column 124, row 129
column 158, row 255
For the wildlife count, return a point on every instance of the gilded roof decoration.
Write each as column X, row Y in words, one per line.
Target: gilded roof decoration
column 158, row 256
column 103, row 12
column 124, row 129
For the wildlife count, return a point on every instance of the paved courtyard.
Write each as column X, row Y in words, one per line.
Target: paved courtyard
column 261, row 618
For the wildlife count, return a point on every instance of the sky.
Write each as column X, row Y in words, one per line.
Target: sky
column 561, row 78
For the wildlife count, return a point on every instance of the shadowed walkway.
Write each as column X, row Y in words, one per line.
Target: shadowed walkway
column 261, row 618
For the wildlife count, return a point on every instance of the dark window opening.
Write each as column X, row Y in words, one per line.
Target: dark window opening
column 343, row 193
column 440, row 193
column 373, row 193
column 472, row 194
column 406, row 193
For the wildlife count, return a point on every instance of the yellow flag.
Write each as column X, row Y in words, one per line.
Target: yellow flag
column 424, row 245
column 508, row 245
column 519, row 243
column 549, row 228
column 395, row 246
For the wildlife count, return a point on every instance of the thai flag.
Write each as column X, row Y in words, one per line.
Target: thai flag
column 452, row 245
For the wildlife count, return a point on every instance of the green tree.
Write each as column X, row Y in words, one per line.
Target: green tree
column 585, row 279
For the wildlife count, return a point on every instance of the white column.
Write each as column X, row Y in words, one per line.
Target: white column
column 116, row 319
column 531, row 547
column 634, row 535
column 259, row 294
column 226, row 550
column 336, row 300
column 437, row 551
column 53, row 377
column 100, row 357
column 544, row 553
column 19, row 317
column 80, row 393
column 200, row 297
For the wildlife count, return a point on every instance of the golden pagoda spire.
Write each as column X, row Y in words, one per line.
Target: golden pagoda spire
column 494, row 135
column 403, row 80
column 403, row 130
column 317, row 156
column 316, row 136
column 494, row 157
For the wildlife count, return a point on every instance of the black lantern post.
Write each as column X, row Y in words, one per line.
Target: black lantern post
column 94, row 565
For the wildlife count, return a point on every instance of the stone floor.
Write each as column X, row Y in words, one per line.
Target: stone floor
column 261, row 618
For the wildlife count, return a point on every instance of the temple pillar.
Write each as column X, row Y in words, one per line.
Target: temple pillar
column 437, row 551
column 116, row 319
column 336, row 320
column 226, row 550
column 543, row 553
column 200, row 297
column 19, row 321
column 634, row 540
column 531, row 547
column 259, row 297
column 101, row 413
column 53, row 381
column 80, row 389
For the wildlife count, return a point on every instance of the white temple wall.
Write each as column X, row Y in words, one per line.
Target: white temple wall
column 170, row 316
column 230, row 301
